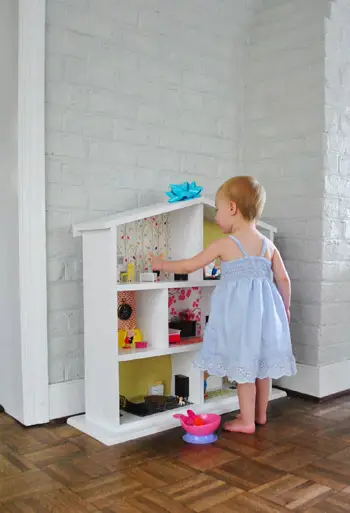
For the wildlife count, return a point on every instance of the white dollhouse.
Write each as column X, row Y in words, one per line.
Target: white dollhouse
column 177, row 231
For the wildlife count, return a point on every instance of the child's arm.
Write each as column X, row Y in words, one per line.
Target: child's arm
column 189, row 265
column 282, row 280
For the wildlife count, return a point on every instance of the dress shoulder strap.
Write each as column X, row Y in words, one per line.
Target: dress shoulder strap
column 264, row 247
column 239, row 244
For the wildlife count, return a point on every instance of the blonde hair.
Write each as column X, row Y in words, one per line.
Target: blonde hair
column 248, row 195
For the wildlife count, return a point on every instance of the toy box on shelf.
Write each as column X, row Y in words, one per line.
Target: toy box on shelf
column 122, row 313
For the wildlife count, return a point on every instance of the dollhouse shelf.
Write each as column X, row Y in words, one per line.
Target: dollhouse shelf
column 165, row 285
column 103, row 419
column 138, row 354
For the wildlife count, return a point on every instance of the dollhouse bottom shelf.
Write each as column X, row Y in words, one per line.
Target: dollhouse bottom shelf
column 133, row 427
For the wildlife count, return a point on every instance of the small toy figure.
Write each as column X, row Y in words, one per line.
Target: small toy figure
column 211, row 272
column 206, row 376
column 181, row 401
column 131, row 273
column 129, row 339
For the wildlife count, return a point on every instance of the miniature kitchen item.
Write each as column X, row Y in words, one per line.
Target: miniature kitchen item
column 156, row 389
column 174, row 336
column 148, row 277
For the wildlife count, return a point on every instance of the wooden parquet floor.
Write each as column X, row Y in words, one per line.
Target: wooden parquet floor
column 299, row 462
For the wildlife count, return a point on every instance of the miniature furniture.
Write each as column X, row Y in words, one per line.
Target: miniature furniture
column 182, row 238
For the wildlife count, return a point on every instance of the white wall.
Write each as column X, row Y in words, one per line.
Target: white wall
column 335, row 318
column 11, row 392
column 139, row 94
column 283, row 146
column 298, row 118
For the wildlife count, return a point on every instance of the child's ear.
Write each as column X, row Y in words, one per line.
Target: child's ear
column 233, row 208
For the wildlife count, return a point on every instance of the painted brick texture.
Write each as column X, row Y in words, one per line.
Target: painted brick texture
column 139, row 93
column 335, row 286
column 283, row 146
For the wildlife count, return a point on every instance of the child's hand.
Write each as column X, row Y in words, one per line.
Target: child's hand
column 157, row 263
column 288, row 315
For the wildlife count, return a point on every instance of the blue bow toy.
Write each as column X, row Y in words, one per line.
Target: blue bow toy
column 184, row 191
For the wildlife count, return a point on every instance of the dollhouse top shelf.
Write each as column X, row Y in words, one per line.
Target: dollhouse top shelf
column 136, row 214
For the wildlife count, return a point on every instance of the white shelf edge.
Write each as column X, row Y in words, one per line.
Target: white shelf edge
column 140, row 354
column 156, row 423
column 165, row 285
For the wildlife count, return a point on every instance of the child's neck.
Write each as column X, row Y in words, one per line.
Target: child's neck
column 244, row 227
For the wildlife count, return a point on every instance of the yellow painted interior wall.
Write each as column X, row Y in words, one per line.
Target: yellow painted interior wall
column 211, row 232
column 137, row 375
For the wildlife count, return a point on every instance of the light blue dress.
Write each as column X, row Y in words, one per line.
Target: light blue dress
column 247, row 336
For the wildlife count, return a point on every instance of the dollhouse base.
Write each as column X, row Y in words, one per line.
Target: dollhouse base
column 133, row 427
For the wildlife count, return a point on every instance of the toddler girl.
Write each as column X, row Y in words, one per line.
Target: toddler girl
column 247, row 337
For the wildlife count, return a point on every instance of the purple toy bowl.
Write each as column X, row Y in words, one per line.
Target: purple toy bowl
column 212, row 422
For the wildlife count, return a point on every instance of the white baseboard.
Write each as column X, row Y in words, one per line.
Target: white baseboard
column 334, row 378
column 66, row 399
column 306, row 381
column 318, row 381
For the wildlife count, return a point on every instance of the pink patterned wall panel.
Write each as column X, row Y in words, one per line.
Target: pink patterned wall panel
column 185, row 304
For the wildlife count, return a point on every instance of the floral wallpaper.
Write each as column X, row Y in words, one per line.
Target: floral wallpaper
column 184, row 304
column 138, row 240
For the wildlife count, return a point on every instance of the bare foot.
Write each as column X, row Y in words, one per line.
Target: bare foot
column 237, row 426
column 258, row 421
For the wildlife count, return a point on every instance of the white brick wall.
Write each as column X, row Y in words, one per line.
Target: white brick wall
column 335, row 293
column 283, row 127
column 297, row 139
column 140, row 93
